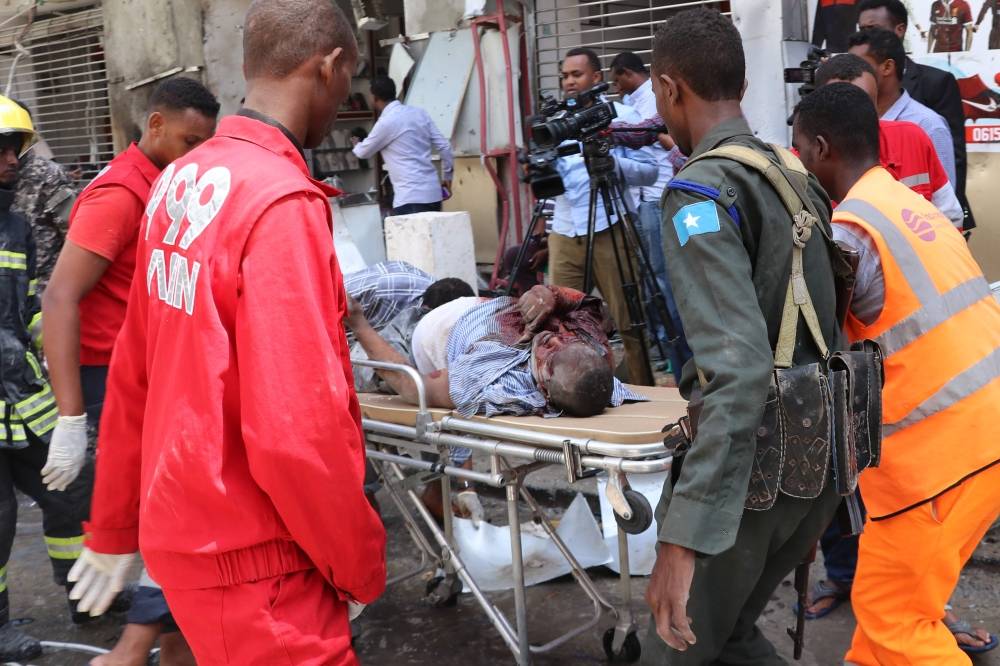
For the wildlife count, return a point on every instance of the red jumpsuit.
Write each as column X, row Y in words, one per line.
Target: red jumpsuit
column 231, row 450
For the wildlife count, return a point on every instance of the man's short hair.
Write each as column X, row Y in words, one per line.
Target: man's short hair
column 628, row 61
column 896, row 9
column 883, row 45
column 181, row 93
column 444, row 291
column 844, row 67
column 590, row 391
column 280, row 35
column 846, row 118
column 592, row 59
column 702, row 47
column 383, row 88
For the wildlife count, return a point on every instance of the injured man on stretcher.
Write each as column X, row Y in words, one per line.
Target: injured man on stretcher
column 545, row 353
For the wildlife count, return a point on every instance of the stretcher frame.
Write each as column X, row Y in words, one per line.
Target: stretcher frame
column 513, row 454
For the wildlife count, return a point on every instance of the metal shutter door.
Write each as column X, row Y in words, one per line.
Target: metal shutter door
column 606, row 26
column 63, row 79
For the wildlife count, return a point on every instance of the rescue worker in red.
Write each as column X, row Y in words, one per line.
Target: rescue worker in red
column 231, row 450
column 84, row 309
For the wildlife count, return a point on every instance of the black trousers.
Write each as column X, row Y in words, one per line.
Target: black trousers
column 63, row 512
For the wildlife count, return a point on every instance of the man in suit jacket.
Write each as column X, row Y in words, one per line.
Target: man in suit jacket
column 930, row 86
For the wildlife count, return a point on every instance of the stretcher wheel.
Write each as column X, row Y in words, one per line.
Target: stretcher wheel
column 631, row 648
column 642, row 513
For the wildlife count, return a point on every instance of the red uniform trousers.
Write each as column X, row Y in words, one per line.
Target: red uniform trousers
column 295, row 619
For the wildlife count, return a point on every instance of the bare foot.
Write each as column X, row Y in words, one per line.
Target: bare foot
column 132, row 649
column 978, row 638
column 174, row 650
column 815, row 608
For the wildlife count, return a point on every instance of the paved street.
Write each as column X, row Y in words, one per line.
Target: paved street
column 399, row 630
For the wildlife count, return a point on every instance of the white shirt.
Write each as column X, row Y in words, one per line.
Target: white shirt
column 909, row 109
column 429, row 345
column 405, row 135
column 644, row 101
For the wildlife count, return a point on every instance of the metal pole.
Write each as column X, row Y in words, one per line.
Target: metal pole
column 517, row 572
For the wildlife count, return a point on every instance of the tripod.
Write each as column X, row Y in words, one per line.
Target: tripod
column 631, row 259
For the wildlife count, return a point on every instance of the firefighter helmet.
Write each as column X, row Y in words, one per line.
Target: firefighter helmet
column 14, row 118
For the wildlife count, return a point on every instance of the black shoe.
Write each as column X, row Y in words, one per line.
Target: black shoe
column 15, row 645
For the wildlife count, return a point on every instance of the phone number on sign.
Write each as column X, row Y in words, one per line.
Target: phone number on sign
column 987, row 134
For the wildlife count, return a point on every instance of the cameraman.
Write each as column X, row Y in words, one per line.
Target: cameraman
column 632, row 80
column 581, row 70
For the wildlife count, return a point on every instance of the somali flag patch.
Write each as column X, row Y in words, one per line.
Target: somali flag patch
column 694, row 219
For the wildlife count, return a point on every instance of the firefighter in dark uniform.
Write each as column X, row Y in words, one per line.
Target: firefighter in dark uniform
column 28, row 406
column 729, row 244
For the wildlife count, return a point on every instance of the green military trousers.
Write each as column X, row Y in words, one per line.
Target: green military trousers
column 731, row 589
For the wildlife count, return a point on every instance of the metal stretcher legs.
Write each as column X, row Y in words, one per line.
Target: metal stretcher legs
column 618, row 640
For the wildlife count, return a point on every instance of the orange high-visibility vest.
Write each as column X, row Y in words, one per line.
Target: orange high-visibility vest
column 940, row 333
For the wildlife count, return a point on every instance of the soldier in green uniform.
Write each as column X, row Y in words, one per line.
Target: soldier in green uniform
column 729, row 245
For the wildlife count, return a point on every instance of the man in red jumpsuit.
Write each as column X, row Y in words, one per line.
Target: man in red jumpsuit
column 231, row 448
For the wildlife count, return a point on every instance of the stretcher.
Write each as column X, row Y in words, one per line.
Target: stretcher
column 622, row 441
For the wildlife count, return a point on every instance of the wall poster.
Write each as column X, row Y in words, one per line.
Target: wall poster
column 963, row 37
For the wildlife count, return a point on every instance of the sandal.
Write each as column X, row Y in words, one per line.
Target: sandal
column 824, row 590
column 960, row 626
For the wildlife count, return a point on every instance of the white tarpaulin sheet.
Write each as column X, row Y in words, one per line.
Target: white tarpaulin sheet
column 486, row 550
column 641, row 547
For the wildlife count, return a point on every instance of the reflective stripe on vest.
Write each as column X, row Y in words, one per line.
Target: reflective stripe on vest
column 916, row 179
column 935, row 309
column 3, row 578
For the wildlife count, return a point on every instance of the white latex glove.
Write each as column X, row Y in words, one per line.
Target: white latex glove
column 354, row 609
column 67, row 452
column 99, row 577
column 468, row 503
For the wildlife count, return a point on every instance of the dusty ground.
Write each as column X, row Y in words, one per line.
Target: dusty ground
column 399, row 630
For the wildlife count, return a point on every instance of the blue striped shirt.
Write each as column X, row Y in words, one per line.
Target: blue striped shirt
column 487, row 376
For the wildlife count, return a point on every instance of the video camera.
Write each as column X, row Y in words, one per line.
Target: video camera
column 805, row 73
column 582, row 117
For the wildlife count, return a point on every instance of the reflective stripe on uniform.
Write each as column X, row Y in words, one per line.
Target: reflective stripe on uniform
column 16, row 260
column 916, row 179
column 35, row 403
column 32, row 287
column 35, row 329
column 64, row 548
column 935, row 308
column 3, row 578
column 45, row 422
column 959, row 387
column 939, row 310
column 902, row 252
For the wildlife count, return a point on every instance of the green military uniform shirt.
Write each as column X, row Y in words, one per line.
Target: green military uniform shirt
column 729, row 263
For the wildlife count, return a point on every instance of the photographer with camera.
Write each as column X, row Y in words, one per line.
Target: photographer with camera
column 632, row 80
column 581, row 71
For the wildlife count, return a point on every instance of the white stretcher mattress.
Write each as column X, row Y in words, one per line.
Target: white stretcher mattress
column 632, row 423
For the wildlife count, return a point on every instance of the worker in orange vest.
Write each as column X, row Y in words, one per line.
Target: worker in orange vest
column 923, row 298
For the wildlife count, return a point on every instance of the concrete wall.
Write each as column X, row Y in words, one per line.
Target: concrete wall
column 984, row 197
column 223, row 50
column 144, row 39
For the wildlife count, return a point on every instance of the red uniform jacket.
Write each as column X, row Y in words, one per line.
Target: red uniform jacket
column 232, row 372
